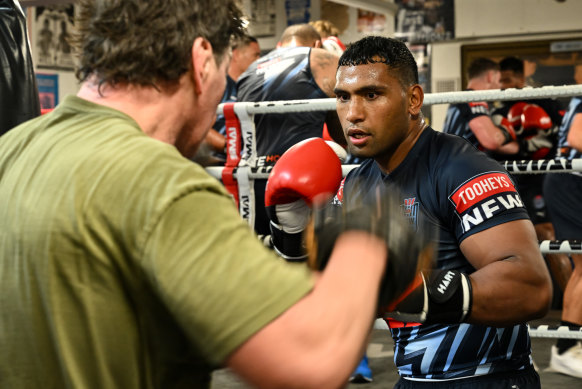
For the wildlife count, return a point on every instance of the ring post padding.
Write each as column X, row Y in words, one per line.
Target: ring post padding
column 247, row 163
column 233, row 151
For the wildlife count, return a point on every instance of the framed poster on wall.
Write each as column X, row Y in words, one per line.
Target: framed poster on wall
column 50, row 36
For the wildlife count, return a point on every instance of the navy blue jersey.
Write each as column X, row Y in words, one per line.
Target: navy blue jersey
column 458, row 118
column 283, row 74
column 564, row 149
column 445, row 183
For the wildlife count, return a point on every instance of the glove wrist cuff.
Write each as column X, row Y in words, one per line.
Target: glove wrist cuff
column 450, row 297
column 288, row 245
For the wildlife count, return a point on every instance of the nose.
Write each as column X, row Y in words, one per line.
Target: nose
column 355, row 110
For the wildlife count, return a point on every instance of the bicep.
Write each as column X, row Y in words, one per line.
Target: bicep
column 515, row 239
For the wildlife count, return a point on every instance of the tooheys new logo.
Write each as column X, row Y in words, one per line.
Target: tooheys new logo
column 483, row 196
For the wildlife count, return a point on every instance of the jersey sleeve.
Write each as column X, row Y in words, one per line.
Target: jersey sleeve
column 476, row 109
column 217, row 280
column 479, row 195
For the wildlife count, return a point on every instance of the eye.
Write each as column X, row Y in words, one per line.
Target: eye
column 342, row 97
column 371, row 95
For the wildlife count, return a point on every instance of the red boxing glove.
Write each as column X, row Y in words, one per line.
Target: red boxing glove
column 514, row 115
column 308, row 172
column 534, row 119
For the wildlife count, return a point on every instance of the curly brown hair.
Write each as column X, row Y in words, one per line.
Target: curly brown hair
column 148, row 41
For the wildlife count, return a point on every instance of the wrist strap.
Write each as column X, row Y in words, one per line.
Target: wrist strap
column 450, row 297
column 288, row 245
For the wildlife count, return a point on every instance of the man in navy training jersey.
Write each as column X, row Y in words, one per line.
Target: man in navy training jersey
column 490, row 278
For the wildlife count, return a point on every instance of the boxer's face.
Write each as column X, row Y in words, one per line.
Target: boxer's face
column 373, row 108
column 509, row 79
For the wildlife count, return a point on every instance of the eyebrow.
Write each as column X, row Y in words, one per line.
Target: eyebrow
column 362, row 90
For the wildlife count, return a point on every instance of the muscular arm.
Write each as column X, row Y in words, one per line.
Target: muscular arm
column 511, row 283
column 490, row 137
column 318, row 341
column 575, row 133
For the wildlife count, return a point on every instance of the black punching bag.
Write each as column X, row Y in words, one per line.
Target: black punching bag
column 19, row 100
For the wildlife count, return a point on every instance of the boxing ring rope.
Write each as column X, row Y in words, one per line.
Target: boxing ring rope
column 516, row 167
column 241, row 167
column 329, row 104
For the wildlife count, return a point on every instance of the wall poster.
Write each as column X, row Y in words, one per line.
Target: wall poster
column 52, row 25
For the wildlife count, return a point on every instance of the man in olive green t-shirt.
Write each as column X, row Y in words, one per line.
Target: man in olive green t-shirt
column 122, row 263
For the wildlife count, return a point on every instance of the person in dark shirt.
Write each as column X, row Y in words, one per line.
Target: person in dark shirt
column 536, row 129
column 472, row 120
column 298, row 69
column 489, row 264
column 562, row 192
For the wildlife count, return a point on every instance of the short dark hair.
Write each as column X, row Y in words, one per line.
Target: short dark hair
column 243, row 41
column 481, row 65
column 513, row 64
column 144, row 42
column 378, row 49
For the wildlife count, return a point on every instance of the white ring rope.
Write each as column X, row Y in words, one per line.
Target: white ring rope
column 329, row 104
column 561, row 246
column 542, row 331
column 514, row 167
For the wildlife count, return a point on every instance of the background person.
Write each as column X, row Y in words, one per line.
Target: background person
column 562, row 193
column 535, row 122
column 125, row 265
column 472, row 120
column 329, row 36
column 298, row 69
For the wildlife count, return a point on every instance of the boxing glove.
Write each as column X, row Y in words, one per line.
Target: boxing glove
column 514, row 115
column 534, row 119
column 410, row 251
column 506, row 129
column 443, row 296
column 309, row 172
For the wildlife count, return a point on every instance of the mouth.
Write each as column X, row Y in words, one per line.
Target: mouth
column 357, row 137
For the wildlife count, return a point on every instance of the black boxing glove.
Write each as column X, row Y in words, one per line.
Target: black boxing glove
column 444, row 296
column 409, row 250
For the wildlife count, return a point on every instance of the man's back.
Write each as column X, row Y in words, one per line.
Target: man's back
column 104, row 251
column 284, row 74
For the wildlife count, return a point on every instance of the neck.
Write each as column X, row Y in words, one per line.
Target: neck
column 234, row 73
column 158, row 112
column 393, row 159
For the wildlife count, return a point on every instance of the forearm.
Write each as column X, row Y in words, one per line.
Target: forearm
column 318, row 341
column 510, row 291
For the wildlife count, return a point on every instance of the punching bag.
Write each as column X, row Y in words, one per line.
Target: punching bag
column 19, row 99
